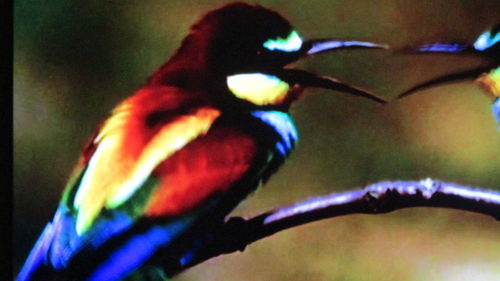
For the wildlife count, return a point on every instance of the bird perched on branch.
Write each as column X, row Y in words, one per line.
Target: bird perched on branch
column 162, row 172
column 487, row 46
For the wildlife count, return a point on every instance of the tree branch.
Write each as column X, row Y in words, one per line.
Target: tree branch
column 378, row 198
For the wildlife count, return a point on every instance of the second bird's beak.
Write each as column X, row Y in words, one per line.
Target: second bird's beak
column 308, row 79
column 446, row 48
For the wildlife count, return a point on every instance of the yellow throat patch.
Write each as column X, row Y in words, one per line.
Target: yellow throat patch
column 258, row 88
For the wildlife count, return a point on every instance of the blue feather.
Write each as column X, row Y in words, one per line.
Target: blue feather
column 137, row 250
column 37, row 256
column 127, row 247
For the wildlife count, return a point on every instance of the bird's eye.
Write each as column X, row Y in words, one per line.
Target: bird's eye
column 290, row 44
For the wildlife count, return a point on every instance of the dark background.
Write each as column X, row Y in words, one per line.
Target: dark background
column 75, row 60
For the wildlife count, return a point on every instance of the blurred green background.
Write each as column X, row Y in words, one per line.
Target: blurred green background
column 75, row 60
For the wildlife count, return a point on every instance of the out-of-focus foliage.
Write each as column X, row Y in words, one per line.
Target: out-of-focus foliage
column 74, row 60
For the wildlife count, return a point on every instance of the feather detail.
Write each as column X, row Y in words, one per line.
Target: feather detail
column 490, row 82
column 217, row 160
column 37, row 257
column 119, row 166
column 131, row 255
column 169, row 140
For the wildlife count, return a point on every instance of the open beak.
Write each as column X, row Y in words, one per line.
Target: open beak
column 308, row 79
column 453, row 49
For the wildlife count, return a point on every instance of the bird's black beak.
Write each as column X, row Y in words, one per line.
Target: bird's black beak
column 308, row 79
column 446, row 48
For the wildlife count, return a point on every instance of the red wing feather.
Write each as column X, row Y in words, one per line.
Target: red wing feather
column 130, row 145
column 209, row 164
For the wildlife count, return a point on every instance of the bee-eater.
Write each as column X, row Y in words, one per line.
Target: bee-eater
column 487, row 46
column 171, row 161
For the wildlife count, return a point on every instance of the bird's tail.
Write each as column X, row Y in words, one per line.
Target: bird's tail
column 36, row 264
column 61, row 255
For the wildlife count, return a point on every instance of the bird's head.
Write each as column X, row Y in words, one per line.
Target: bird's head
column 486, row 46
column 243, row 50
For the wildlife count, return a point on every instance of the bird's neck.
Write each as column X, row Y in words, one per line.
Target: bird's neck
column 188, row 67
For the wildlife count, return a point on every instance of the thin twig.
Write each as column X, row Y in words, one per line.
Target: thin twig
column 378, row 198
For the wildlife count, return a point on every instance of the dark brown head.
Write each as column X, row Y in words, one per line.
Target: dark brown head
column 242, row 49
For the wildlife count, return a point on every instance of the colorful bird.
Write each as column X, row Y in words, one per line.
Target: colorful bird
column 163, row 171
column 487, row 46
